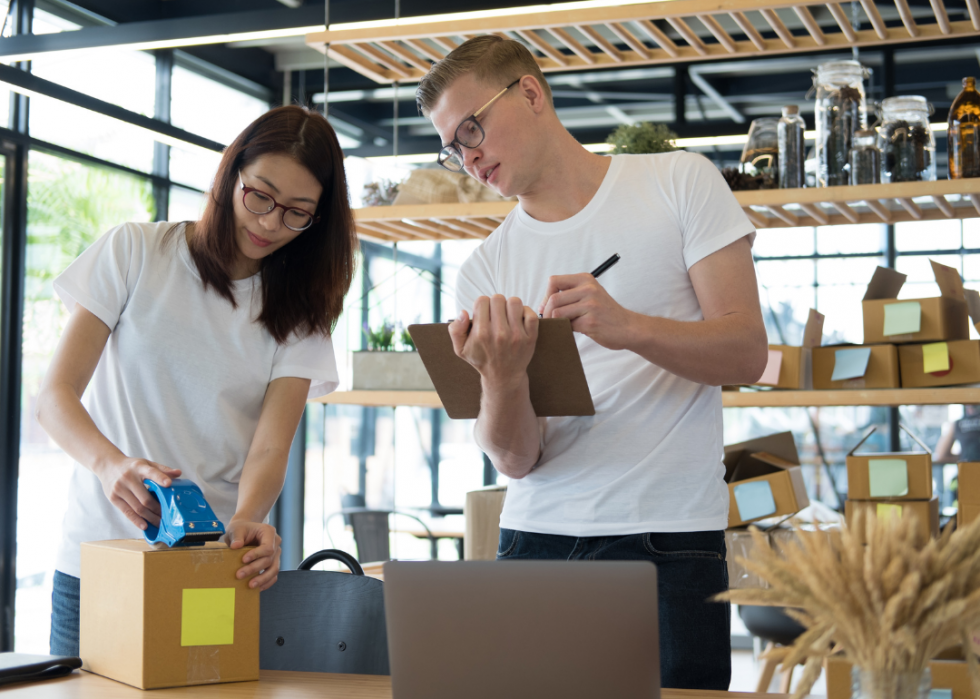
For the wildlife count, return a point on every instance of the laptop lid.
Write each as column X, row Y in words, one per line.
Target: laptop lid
column 522, row 629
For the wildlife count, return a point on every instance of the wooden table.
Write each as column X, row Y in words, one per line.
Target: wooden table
column 273, row 685
column 444, row 533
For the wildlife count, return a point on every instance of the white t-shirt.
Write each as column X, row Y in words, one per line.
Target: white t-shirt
column 183, row 375
column 650, row 459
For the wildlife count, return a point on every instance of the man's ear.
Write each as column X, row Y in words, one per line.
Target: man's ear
column 533, row 94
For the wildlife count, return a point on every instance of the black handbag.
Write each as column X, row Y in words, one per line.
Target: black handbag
column 324, row 621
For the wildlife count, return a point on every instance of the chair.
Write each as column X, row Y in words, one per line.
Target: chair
column 324, row 621
column 372, row 532
column 772, row 625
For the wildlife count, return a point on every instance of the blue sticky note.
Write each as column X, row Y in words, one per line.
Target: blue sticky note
column 754, row 499
column 940, row 694
column 850, row 363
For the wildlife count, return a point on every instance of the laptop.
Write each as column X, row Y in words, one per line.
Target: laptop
column 522, row 629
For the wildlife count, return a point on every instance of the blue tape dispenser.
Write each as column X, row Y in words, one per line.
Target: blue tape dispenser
column 186, row 519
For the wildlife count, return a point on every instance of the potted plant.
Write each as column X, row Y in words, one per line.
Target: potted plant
column 390, row 363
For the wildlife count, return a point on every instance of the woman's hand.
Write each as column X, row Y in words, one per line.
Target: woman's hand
column 122, row 482
column 262, row 562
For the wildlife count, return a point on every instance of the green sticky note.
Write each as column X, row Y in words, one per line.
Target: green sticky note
column 889, row 478
column 935, row 357
column 207, row 617
column 902, row 318
column 885, row 509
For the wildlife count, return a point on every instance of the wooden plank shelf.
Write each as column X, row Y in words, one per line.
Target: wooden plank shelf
column 671, row 31
column 766, row 208
column 729, row 399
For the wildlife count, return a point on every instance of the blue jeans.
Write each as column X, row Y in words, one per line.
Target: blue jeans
column 64, row 615
column 695, row 635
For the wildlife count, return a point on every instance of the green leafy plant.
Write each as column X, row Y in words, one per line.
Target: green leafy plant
column 643, row 137
column 380, row 339
column 407, row 342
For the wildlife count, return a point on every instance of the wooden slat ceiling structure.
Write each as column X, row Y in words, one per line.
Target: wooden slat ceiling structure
column 767, row 208
column 670, row 31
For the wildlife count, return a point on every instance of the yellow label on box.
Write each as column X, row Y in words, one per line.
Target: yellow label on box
column 207, row 617
column 935, row 357
column 885, row 509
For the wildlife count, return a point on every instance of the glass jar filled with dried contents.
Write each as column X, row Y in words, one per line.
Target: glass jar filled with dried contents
column 840, row 111
column 865, row 166
column 963, row 137
column 906, row 142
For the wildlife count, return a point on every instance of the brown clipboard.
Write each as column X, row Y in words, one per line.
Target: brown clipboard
column 555, row 375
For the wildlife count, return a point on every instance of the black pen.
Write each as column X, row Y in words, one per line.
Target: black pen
column 605, row 265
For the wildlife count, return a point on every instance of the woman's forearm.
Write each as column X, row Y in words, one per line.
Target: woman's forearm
column 60, row 412
column 260, row 484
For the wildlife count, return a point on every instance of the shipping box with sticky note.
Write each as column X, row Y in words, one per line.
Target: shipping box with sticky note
column 888, row 319
column 926, row 513
column 940, row 363
column 889, row 476
column 968, row 492
column 167, row 617
column 764, row 479
column 855, row 366
column 790, row 367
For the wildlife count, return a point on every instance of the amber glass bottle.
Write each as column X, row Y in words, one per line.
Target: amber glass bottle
column 963, row 137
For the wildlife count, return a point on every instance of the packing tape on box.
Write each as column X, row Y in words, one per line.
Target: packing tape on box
column 203, row 664
column 206, row 556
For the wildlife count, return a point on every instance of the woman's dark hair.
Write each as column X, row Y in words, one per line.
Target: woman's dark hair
column 305, row 281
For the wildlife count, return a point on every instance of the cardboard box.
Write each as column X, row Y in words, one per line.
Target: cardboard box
column 968, row 492
column 881, row 370
column 949, row 671
column 167, row 617
column 764, row 479
column 926, row 513
column 937, row 319
column 791, row 367
column 961, row 357
column 482, row 514
column 889, row 475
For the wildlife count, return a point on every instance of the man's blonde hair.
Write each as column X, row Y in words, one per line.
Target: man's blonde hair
column 491, row 59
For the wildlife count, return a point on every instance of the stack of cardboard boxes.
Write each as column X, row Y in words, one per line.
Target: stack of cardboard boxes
column 968, row 492
column 909, row 342
column 891, row 484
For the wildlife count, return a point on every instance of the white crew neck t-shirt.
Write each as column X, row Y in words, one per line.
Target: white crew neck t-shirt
column 182, row 377
column 650, row 459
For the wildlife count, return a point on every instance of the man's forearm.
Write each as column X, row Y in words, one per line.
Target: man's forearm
column 507, row 429
column 728, row 350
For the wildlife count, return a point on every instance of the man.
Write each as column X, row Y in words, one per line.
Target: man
column 676, row 318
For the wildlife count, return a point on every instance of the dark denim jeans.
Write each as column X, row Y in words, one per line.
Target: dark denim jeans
column 64, row 615
column 695, row 635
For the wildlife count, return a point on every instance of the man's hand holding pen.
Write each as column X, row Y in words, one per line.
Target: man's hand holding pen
column 593, row 312
column 499, row 341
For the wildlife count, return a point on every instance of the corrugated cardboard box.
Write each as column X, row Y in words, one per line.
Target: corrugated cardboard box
column 482, row 513
column 791, row 367
column 926, row 513
column 888, row 319
column 949, row 671
column 169, row 617
column 764, row 479
column 879, row 370
column 968, row 492
column 948, row 363
column 889, row 475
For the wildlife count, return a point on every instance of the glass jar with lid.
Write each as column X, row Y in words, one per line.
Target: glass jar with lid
column 865, row 163
column 840, row 110
column 906, row 141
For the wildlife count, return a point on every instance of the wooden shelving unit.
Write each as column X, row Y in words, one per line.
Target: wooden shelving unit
column 729, row 399
column 766, row 208
column 673, row 31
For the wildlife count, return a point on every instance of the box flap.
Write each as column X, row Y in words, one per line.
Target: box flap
column 813, row 332
column 863, row 440
column 973, row 305
column 915, row 439
column 885, row 284
column 781, row 445
column 772, row 460
column 949, row 281
column 871, row 431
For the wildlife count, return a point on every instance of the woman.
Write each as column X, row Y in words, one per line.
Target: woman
column 200, row 344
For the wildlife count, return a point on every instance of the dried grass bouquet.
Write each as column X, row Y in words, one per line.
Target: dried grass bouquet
column 889, row 607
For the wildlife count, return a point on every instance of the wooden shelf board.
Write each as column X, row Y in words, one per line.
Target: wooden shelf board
column 590, row 38
column 767, row 208
column 730, row 399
